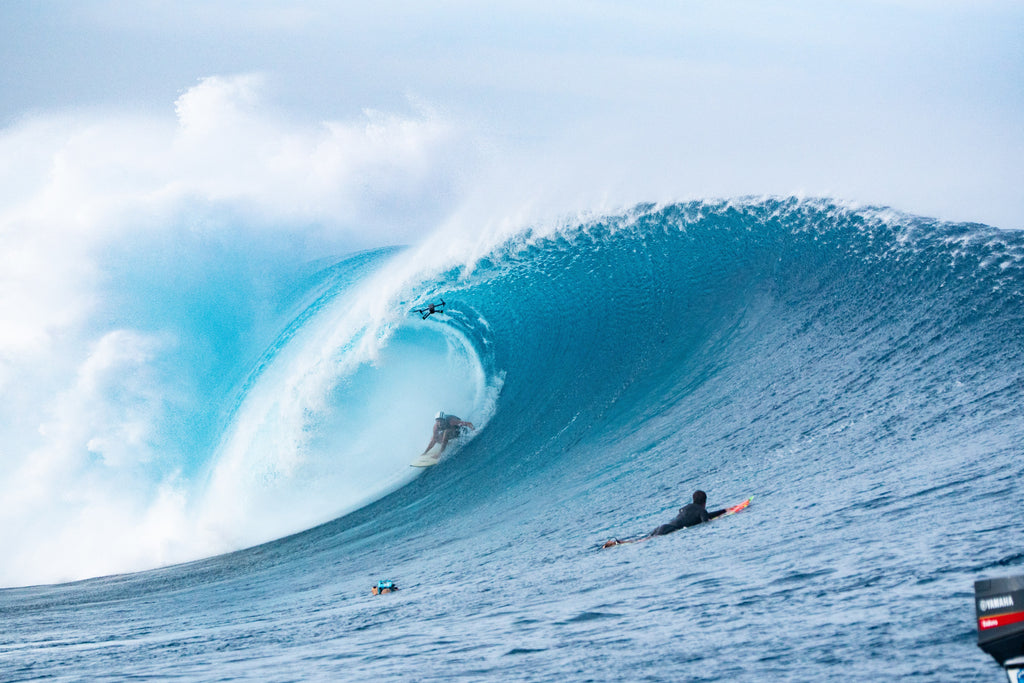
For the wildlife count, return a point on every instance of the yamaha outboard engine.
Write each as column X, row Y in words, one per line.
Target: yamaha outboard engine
column 1000, row 606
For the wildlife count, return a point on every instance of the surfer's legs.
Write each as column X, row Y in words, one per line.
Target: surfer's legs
column 664, row 529
column 616, row 541
column 448, row 434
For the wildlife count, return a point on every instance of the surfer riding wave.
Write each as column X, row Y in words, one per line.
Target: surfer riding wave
column 446, row 428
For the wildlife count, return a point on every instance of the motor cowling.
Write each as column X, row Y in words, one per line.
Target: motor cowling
column 1000, row 609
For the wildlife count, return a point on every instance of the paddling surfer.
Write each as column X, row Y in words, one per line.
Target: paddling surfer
column 690, row 514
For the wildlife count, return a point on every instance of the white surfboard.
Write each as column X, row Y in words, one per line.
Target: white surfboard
column 428, row 459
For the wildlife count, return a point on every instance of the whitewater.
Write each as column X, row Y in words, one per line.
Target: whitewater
column 858, row 371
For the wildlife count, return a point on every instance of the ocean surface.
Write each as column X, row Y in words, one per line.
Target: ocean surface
column 857, row 371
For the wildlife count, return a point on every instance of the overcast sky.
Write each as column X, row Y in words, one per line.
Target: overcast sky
column 914, row 104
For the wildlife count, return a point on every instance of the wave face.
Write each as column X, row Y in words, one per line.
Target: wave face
column 859, row 372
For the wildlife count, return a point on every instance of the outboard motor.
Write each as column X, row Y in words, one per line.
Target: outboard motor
column 1000, row 609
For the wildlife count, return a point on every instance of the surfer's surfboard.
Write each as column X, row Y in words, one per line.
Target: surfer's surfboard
column 734, row 509
column 728, row 511
column 428, row 459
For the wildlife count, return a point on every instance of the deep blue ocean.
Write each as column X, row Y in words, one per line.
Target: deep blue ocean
column 858, row 372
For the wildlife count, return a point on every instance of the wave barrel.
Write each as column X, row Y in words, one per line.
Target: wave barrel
column 1000, row 610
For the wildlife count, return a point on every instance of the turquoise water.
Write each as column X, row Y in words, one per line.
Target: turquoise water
column 859, row 372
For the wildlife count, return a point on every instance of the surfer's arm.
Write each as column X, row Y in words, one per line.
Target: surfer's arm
column 434, row 438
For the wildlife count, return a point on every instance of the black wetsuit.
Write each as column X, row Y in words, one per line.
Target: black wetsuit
column 690, row 514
